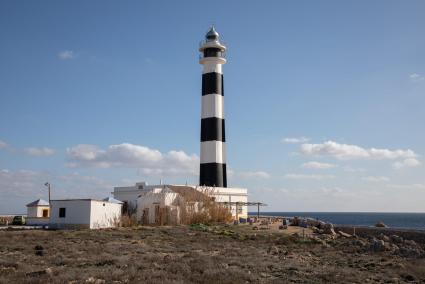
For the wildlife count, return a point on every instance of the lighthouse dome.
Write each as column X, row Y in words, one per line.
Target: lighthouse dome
column 212, row 34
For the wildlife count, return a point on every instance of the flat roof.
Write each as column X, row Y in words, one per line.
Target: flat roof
column 83, row 199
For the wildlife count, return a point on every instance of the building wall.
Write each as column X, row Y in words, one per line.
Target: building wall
column 77, row 213
column 151, row 199
column 104, row 214
column 93, row 214
column 32, row 211
column 229, row 194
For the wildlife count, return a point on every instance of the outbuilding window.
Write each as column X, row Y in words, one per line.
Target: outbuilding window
column 62, row 212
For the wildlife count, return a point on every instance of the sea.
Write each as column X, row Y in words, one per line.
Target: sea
column 414, row 221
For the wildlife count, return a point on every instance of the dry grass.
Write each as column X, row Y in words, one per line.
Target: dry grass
column 181, row 255
column 128, row 220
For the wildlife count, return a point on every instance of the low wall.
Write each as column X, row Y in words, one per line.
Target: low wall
column 69, row 226
column 37, row 221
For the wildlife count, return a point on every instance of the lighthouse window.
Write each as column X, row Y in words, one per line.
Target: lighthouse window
column 212, row 52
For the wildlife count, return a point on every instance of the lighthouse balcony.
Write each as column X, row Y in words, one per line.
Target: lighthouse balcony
column 211, row 44
column 212, row 54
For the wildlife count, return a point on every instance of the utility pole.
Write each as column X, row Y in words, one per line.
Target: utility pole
column 48, row 186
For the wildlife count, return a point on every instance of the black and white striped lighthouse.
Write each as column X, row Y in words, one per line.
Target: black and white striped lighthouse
column 213, row 149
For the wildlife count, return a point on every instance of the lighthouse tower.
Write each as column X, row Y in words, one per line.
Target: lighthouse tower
column 213, row 150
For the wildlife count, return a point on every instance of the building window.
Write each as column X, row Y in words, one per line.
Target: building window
column 62, row 212
column 45, row 213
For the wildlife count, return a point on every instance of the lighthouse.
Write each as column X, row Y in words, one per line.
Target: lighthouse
column 213, row 149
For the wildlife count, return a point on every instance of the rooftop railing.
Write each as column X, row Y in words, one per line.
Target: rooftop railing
column 202, row 42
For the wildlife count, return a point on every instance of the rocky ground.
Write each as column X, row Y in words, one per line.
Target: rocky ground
column 201, row 254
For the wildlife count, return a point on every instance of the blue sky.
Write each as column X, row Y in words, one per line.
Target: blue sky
column 323, row 100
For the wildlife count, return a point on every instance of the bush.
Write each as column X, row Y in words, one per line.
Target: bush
column 199, row 206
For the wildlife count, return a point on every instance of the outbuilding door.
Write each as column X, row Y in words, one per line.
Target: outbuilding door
column 157, row 214
column 145, row 216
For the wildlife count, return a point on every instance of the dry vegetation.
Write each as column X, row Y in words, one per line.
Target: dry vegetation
column 199, row 207
column 194, row 254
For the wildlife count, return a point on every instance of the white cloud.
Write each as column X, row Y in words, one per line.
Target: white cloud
column 149, row 161
column 318, row 165
column 352, row 152
column 66, row 55
column 416, row 77
column 303, row 176
column 255, row 175
column 407, row 163
column 21, row 183
column 39, row 152
column 353, row 170
column 26, row 186
column 3, row 144
column 419, row 186
column 376, row 179
column 295, row 140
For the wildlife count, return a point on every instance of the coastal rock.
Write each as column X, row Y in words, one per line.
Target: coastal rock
column 377, row 245
column 328, row 229
column 360, row 243
column 409, row 252
column 396, row 239
column 381, row 224
column 344, row 234
column 383, row 237
column 410, row 243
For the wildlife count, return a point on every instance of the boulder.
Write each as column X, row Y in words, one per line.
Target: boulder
column 315, row 230
column 377, row 245
column 328, row 229
column 410, row 243
column 360, row 243
column 383, row 237
column 344, row 234
column 396, row 239
column 381, row 224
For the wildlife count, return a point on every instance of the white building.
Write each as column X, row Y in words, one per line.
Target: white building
column 38, row 212
column 230, row 195
column 85, row 213
column 159, row 206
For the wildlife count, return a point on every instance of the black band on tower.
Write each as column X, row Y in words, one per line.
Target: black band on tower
column 212, row 128
column 213, row 173
column 212, row 83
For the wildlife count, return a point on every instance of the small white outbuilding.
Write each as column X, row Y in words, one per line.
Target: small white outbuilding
column 85, row 213
column 38, row 212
